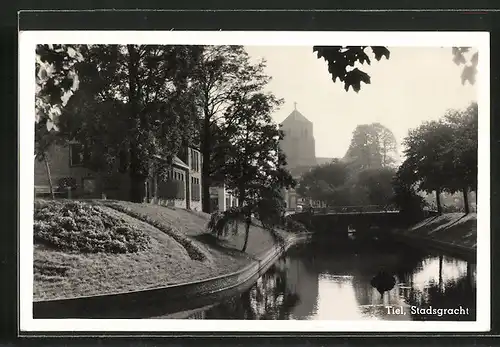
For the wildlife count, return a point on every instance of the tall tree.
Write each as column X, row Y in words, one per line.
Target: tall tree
column 372, row 146
column 222, row 73
column 406, row 197
column 255, row 164
column 430, row 158
column 143, row 99
column 464, row 124
column 442, row 155
column 387, row 145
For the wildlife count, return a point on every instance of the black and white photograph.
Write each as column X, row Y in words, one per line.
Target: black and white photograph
column 254, row 181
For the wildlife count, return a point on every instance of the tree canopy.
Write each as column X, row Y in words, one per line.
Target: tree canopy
column 326, row 183
column 223, row 75
column 372, row 146
column 56, row 80
column 442, row 155
column 343, row 59
column 338, row 184
column 135, row 100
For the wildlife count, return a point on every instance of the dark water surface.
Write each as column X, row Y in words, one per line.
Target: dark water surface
column 327, row 282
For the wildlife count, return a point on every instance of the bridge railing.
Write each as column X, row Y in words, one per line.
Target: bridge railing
column 353, row 209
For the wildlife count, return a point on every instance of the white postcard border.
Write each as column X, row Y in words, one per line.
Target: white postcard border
column 27, row 43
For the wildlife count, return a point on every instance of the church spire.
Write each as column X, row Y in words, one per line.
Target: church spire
column 295, row 105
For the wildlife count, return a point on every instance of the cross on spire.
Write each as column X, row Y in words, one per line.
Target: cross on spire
column 295, row 105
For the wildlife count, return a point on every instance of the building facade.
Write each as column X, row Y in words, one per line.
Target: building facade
column 221, row 198
column 181, row 187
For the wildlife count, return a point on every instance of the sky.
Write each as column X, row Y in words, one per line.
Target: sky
column 415, row 85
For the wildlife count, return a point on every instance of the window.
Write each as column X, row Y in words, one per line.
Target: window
column 76, row 155
column 195, row 160
column 195, row 189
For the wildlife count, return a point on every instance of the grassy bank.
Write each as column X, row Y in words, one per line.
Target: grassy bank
column 456, row 229
column 101, row 247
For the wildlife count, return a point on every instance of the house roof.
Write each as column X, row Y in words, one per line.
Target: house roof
column 180, row 163
column 296, row 116
column 176, row 162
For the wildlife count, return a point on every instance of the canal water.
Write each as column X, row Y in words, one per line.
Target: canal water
column 332, row 281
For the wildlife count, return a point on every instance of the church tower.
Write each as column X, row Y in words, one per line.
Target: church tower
column 298, row 143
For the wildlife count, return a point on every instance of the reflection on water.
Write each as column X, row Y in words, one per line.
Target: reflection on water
column 334, row 284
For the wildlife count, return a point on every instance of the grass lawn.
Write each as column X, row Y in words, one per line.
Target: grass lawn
column 456, row 228
column 63, row 270
column 193, row 225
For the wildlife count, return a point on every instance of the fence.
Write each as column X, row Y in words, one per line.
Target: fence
column 353, row 209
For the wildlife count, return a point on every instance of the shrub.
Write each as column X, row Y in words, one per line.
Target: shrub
column 80, row 227
column 294, row 226
column 222, row 222
column 67, row 182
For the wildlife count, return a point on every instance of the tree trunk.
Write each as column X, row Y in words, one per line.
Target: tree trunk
column 205, row 166
column 49, row 176
column 247, row 217
column 137, row 178
column 137, row 191
column 241, row 196
column 438, row 201
column 465, row 192
column 248, row 221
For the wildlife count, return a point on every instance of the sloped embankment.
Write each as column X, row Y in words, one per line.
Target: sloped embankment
column 457, row 230
column 86, row 248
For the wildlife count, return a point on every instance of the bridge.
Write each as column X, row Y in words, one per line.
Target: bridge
column 340, row 219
